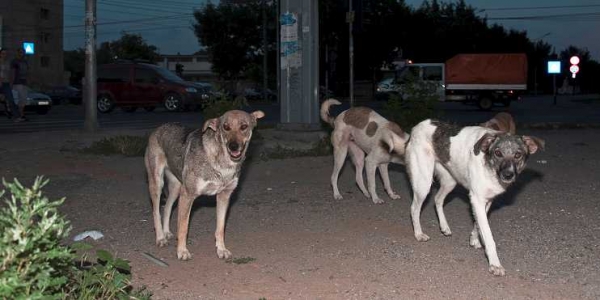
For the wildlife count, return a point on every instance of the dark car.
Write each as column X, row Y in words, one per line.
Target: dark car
column 131, row 85
column 256, row 94
column 65, row 94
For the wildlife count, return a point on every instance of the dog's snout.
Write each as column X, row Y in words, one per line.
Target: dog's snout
column 508, row 174
column 234, row 146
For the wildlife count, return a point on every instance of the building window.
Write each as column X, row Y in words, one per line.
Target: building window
column 45, row 61
column 44, row 13
column 45, row 37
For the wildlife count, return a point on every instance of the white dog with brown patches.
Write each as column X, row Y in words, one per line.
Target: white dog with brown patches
column 363, row 131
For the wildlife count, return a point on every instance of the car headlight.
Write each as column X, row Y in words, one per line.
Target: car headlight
column 191, row 90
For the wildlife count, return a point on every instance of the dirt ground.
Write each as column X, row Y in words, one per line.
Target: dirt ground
column 306, row 245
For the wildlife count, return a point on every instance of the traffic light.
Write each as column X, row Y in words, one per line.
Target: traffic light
column 574, row 65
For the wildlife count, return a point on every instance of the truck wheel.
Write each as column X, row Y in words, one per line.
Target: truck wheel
column 485, row 103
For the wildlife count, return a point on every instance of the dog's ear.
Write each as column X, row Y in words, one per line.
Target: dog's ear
column 484, row 143
column 388, row 143
column 533, row 143
column 212, row 124
column 258, row 114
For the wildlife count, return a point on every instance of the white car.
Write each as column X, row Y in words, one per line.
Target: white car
column 36, row 101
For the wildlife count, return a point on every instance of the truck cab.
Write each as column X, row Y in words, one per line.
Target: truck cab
column 482, row 79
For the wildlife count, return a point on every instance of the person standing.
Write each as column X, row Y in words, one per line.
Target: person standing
column 5, row 86
column 20, row 68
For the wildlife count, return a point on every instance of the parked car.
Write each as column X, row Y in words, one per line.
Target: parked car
column 131, row 85
column 65, row 94
column 256, row 93
column 36, row 101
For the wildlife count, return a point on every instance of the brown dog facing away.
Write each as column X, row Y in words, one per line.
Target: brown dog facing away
column 197, row 162
column 502, row 121
column 361, row 130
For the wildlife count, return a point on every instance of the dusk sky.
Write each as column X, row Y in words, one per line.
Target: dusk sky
column 167, row 23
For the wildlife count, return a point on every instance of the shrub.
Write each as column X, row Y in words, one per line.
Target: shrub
column 34, row 264
column 415, row 103
column 128, row 145
column 216, row 107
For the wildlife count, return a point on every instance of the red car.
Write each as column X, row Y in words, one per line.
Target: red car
column 130, row 85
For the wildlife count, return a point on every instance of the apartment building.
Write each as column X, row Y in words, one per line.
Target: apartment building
column 37, row 25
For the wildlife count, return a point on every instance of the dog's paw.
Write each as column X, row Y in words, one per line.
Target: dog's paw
column 497, row 270
column 337, row 197
column 184, row 254
column 223, row 253
column 446, row 231
column 378, row 201
column 422, row 237
column 162, row 242
column 475, row 243
column 168, row 235
column 394, row 196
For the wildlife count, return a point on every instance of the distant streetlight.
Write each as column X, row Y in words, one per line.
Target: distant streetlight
column 537, row 62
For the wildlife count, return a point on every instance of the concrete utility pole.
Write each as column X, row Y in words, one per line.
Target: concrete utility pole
column 91, row 118
column 299, row 64
column 350, row 20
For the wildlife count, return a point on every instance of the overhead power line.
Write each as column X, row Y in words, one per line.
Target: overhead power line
column 541, row 7
column 550, row 17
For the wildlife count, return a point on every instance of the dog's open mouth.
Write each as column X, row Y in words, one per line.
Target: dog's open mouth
column 235, row 155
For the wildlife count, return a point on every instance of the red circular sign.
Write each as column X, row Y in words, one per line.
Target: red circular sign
column 574, row 60
column 574, row 69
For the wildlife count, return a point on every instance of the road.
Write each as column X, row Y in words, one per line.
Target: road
column 570, row 109
column 306, row 245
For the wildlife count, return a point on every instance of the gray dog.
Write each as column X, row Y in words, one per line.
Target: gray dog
column 197, row 162
column 485, row 161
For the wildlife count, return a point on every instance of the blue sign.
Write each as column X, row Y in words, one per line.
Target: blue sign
column 554, row 67
column 29, row 48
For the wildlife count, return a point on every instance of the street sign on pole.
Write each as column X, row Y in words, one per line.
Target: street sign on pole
column 554, row 67
column 574, row 69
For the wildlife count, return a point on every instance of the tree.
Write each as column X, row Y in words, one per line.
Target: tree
column 179, row 69
column 128, row 46
column 232, row 35
column 74, row 61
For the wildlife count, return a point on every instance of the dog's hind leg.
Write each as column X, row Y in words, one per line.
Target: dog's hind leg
column 385, row 177
column 222, row 206
column 174, row 186
column 358, row 158
column 155, row 164
column 340, row 149
column 421, row 164
column 447, row 184
column 371, row 163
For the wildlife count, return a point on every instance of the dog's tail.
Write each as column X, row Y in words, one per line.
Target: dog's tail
column 325, row 116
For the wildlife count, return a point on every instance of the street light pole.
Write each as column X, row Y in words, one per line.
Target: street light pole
column 90, row 89
column 350, row 20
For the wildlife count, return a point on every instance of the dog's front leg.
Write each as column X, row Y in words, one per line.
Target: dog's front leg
column 222, row 206
column 186, row 198
column 474, row 239
column 479, row 210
